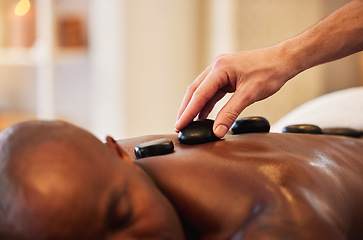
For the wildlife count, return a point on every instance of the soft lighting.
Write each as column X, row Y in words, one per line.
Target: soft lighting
column 22, row 7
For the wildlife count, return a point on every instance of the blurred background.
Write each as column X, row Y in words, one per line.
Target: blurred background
column 121, row 67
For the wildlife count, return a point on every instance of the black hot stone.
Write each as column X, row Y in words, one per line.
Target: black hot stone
column 251, row 125
column 349, row 132
column 198, row 132
column 154, row 148
column 302, row 128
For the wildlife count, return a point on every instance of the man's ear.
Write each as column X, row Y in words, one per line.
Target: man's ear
column 119, row 151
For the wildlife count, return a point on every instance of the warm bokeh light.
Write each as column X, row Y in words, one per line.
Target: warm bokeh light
column 22, row 7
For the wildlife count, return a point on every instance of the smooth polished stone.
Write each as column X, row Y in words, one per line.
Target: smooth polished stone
column 254, row 124
column 349, row 132
column 198, row 132
column 303, row 128
column 154, row 148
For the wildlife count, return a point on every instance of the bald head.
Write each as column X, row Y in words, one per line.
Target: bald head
column 59, row 182
column 43, row 165
column 20, row 137
column 27, row 146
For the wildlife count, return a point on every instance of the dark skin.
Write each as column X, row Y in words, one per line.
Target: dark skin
column 253, row 186
column 264, row 186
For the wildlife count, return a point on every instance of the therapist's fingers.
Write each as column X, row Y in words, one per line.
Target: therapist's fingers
column 206, row 90
column 211, row 103
column 245, row 94
column 230, row 112
column 191, row 89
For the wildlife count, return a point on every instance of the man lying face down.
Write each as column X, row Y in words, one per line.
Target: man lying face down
column 59, row 182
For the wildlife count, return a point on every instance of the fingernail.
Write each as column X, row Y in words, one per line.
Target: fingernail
column 220, row 131
column 176, row 126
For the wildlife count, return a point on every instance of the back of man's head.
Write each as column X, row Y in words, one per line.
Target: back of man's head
column 36, row 158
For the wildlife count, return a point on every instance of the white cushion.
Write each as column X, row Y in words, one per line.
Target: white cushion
column 343, row 108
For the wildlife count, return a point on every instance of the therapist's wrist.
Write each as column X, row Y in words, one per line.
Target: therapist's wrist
column 293, row 60
column 286, row 64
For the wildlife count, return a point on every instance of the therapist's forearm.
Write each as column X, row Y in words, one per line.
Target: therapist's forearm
column 337, row 36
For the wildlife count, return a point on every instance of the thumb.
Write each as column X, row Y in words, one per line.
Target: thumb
column 229, row 113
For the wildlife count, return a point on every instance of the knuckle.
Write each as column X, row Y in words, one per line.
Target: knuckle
column 221, row 61
column 192, row 87
column 223, row 69
column 200, row 96
column 231, row 115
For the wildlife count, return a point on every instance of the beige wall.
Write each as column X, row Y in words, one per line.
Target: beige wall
column 162, row 58
column 143, row 54
column 264, row 23
column 169, row 42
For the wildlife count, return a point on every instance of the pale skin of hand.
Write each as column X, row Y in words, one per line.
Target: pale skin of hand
column 257, row 74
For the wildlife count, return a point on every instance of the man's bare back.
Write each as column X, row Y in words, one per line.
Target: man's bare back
column 59, row 182
column 262, row 186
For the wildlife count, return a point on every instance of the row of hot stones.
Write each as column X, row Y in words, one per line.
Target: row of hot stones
column 201, row 131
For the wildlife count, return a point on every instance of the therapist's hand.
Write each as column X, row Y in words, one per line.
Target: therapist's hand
column 251, row 75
